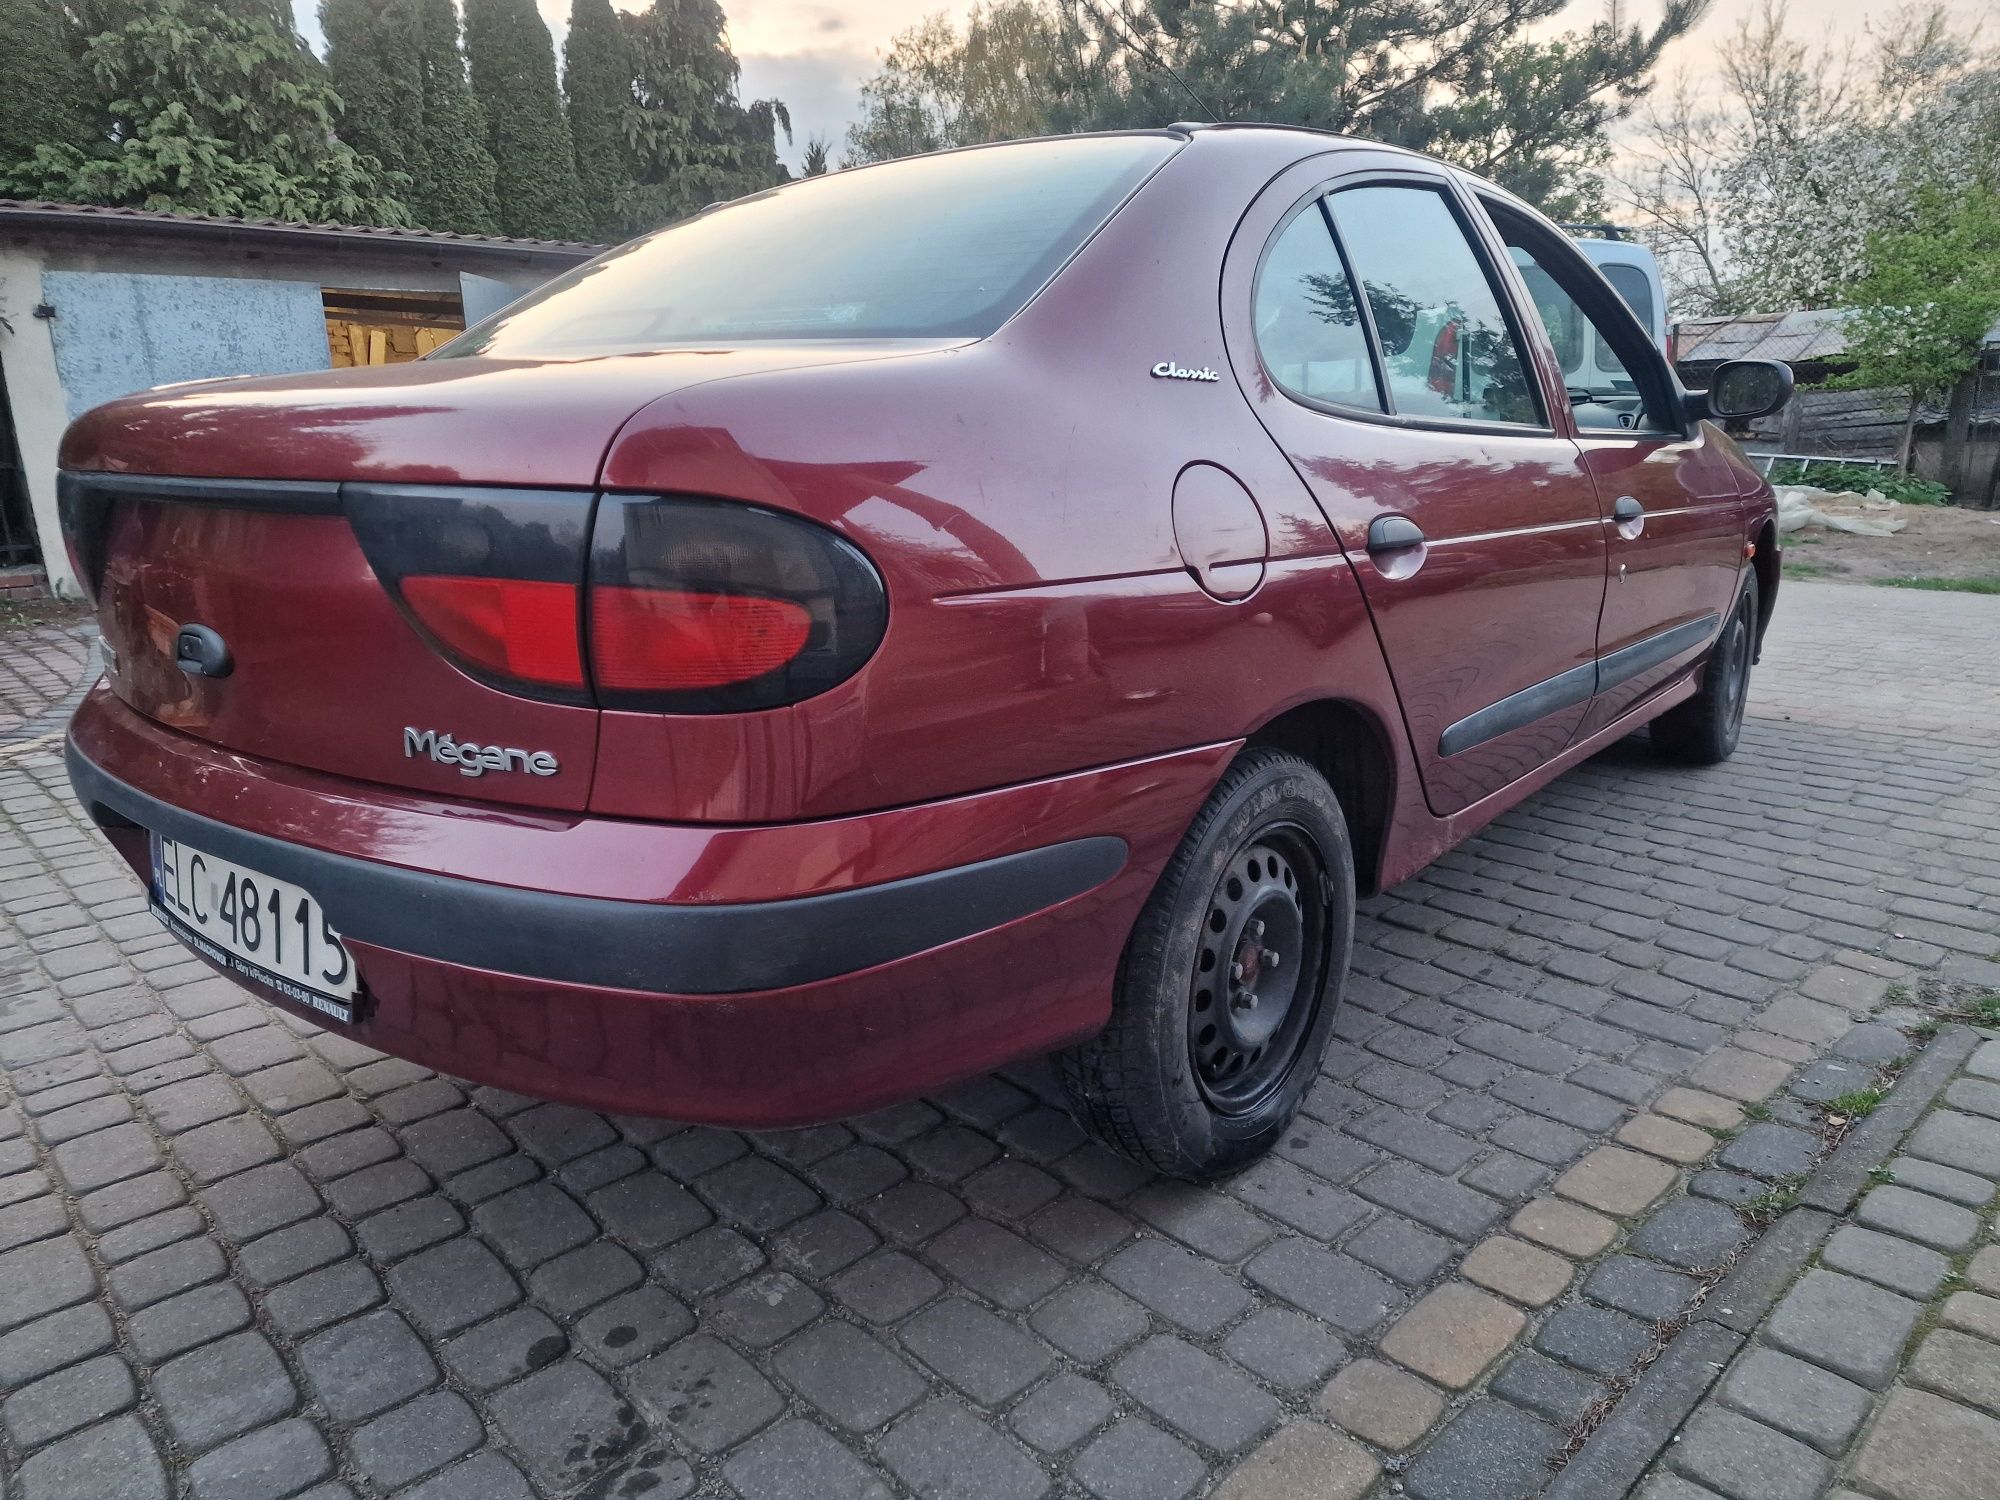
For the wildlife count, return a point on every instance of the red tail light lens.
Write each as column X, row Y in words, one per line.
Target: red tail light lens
column 521, row 628
column 667, row 641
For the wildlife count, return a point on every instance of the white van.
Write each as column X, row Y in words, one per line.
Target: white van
column 1589, row 365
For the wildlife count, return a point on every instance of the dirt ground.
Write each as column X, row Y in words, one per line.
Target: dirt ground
column 1940, row 541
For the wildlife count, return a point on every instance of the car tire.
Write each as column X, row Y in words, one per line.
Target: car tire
column 1704, row 730
column 1212, row 1043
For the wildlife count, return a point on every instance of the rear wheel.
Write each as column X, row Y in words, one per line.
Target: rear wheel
column 1227, row 991
column 1703, row 731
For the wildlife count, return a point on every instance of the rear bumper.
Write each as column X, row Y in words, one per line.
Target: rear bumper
column 744, row 975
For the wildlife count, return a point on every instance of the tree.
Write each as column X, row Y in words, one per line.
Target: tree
column 46, row 101
column 457, row 187
column 514, row 79
column 1463, row 79
column 1765, row 198
column 816, row 159
column 1919, row 316
column 597, row 90
column 373, row 55
column 211, row 109
column 691, row 142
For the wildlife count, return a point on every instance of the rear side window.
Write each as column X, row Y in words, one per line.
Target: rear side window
column 1308, row 328
column 1447, row 349
column 947, row 246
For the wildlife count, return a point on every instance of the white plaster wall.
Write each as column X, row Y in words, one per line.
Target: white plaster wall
column 28, row 355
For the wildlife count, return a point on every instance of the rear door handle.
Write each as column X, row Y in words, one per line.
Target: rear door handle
column 1393, row 534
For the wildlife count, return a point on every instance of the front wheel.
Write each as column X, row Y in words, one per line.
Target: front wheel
column 1228, row 987
column 1703, row 731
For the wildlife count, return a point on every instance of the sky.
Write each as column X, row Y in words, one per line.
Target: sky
column 814, row 54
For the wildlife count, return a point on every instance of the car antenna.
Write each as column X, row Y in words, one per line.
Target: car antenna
column 1158, row 61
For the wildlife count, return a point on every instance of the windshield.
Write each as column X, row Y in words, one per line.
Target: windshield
column 946, row 246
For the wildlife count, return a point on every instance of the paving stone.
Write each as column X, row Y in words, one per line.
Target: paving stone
column 1957, row 1140
column 1616, row 1181
column 1845, row 987
column 267, row 1464
column 1692, row 1233
column 1489, row 1451
column 1134, row 1460
column 114, row 1460
column 452, row 1286
column 1850, row 1327
column 1301, row 1461
column 849, row 1376
column 67, row 1400
column 1972, row 1313
column 1595, row 1339
column 824, row 1243
column 639, row 1323
column 222, row 1390
column 1941, row 1182
column 1205, row 1222
column 989, row 1359
column 1453, row 1333
column 1380, row 1403
column 797, row 1461
column 573, row 1283
column 1732, row 1188
column 1740, row 1075
column 1062, row 1412
column 164, row 1272
column 1640, row 1288
column 1284, row 1348
column 1828, row 1079
column 1442, row 1204
column 1918, row 1216
column 1546, row 1388
column 1296, row 1197
column 504, row 1349
column 1771, row 1151
column 256, row 1202
column 704, row 1393
column 1957, row 1365
column 1090, row 1321
column 1573, row 1230
column 886, row 1286
column 1515, row 1269
column 943, row 1452
column 34, row 1349
column 1659, row 1136
column 648, row 1211
column 1886, row 1260
column 180, row 1323
column 1328, row 1285
column 323, row 1297
column 1922, row 1447
column 1396, row 1246
column 532, row 1224
column 1195, row 1393
column 997, row 1263
column 567, row 1423
column 1738, row 1457
column 1983, row 1270
column 366, row 1365
column 1798, row 1399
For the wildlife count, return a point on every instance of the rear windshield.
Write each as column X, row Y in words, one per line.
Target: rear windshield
column 946, row 246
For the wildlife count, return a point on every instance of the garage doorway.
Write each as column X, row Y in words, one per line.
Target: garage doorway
column 388, row 328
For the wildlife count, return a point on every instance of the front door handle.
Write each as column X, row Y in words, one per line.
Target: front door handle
column 1393, row 534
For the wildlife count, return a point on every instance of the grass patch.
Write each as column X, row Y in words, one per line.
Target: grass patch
column 1881, row 1176
column 1857, row 1104
column 1756, row 1111
column 1943, row 585
column 1906, row 489
column 1803, row 569
column 1900, row 993
column 1766, row 1206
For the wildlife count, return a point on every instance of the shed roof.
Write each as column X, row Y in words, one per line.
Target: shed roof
column 99, row 221
column 1795, row 337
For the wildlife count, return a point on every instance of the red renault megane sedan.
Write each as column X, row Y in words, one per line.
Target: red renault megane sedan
column 991, row 604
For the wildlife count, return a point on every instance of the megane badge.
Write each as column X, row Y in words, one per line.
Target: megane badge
column 476, row 760
column 1166, row 369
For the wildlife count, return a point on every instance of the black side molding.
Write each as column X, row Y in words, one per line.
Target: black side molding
column 84, row 498
column 686, row 950
column 1566, row 689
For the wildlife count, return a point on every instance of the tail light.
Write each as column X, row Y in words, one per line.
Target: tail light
column 665, row 604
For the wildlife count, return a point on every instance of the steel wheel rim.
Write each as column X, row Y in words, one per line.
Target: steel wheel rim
column 1259, row 968
column 1736, row 684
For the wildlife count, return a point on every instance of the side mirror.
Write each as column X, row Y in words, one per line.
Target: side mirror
column 1743, row 389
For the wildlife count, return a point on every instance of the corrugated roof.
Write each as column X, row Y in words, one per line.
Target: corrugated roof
column 1795, row 337
column 16, row 213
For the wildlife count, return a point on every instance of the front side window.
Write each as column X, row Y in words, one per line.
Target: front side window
column 1630, row 283
column 1308, row 328
column 946, row 246
column 1447, row 350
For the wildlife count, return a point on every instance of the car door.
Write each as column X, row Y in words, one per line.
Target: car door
column 1676, row 538
column 1418, row 417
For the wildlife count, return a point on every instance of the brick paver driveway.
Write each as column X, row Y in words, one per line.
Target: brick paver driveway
column 247, row 1258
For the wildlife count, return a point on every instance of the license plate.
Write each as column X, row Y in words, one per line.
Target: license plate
column 266, row 929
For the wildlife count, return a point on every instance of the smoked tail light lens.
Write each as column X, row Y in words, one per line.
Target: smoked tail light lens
column 711, row 606
column 667, row 604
